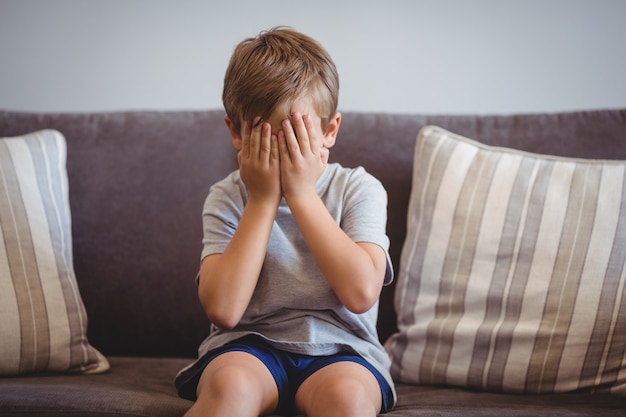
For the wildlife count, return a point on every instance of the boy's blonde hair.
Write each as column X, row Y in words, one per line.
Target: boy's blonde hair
column 276, row 68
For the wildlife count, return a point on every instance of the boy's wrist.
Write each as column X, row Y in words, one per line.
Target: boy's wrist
column 263, row 205
column 302, row 200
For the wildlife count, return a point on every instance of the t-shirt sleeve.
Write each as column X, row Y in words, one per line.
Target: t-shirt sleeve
column 220, row 215
column 364, row 216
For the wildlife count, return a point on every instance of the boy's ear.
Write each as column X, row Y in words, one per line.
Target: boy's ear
column 331, row 131
column 234, row 134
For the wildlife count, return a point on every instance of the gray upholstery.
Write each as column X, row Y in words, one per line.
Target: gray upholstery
column 137, row 183
column 133, row 387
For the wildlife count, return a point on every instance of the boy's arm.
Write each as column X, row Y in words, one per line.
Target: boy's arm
column 227, row 280
column 355, row 271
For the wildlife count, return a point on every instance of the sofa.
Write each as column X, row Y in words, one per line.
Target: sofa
column 135, row 185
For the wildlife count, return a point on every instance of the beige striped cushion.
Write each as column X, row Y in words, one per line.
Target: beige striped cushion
column 512, row 274
column 42, row 318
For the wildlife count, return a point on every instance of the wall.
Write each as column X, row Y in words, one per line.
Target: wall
column 446, row 56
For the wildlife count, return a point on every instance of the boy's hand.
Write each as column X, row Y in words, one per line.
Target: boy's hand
column 302, row 157
column 259, row 163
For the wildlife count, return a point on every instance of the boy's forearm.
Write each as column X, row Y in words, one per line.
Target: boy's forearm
column 354, row 271
column 227, row 280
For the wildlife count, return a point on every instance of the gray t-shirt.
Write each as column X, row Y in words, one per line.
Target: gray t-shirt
column 293, row 306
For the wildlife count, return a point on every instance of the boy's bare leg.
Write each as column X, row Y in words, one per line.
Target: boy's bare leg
column 343, row 389
column 235, row 384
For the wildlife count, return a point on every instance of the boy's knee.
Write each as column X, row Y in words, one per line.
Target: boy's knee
column 349, row 391
column 341, row 396
column 234, row 376
column 231, row 380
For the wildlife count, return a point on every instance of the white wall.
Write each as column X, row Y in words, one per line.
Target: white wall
column 432, row 56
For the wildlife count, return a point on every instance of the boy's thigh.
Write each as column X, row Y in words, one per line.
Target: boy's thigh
column 340, row 384
column 237, row 375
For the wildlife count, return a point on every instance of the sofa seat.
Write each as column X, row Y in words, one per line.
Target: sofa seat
column 426, row 401
column 139, row 387
column 143, row 387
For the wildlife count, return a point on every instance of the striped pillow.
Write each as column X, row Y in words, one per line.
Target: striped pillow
column 42, row 318
column 513, row 270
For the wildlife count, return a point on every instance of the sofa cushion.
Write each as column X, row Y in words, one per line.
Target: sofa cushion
column 141, row 387
column 42, row 321
column 428, row 401
column 512, row 274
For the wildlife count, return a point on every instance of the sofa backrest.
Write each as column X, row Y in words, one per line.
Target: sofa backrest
column 138, row 180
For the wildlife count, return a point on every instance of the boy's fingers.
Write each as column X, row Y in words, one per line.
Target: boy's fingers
column 283, row 148
column 245, row 150
column 265, row 142
column 315, row 140
column 290, row 139
column 301, row 132
column 324, row 154
column 239, row 157
column 274, row 152
column 255, row 139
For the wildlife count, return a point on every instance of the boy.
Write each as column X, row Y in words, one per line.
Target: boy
column 295, row 250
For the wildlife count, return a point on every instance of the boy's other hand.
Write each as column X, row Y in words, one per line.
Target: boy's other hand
column 259, row 163
column 302, row 157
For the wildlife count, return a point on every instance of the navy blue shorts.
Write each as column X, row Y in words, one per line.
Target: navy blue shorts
column 289, row 370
